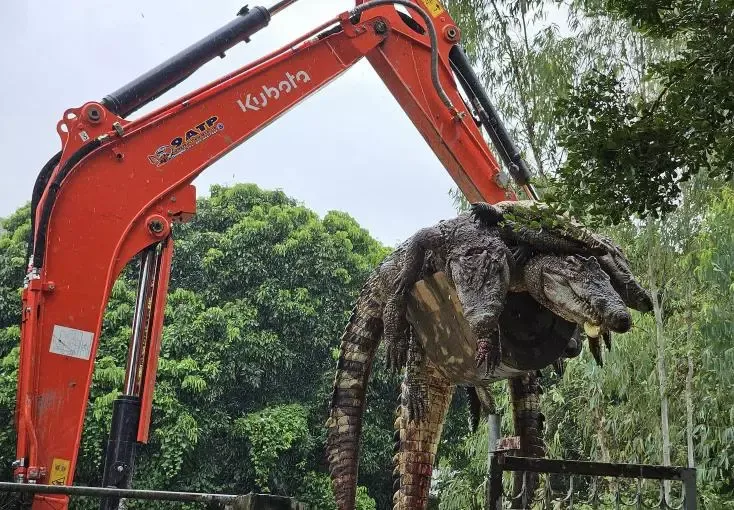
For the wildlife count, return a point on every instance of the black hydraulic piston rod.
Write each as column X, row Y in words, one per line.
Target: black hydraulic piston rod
column 173, row 71
column 490, row 119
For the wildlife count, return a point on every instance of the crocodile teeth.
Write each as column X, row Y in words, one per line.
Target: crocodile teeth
column 592, row 330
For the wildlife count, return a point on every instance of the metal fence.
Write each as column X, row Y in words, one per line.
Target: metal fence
column 17, row 496
column 566, row 485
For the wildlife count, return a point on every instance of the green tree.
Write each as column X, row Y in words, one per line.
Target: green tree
column 630, row 152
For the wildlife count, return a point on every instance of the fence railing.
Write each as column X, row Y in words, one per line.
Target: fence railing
column 571, row 494
column 208, row 501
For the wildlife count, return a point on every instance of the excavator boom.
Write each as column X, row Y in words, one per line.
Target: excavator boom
column 118, row 185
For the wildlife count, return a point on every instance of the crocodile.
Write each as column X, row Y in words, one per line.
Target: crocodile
column 365, row 330
column 523, row 219
column 523, row 320
column 575, row 290
column 472, row 243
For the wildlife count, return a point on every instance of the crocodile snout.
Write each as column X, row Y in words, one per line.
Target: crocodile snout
column 620, row 321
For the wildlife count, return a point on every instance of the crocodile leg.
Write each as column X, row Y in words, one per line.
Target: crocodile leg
column 415, row 254
column 396, row 331
column 528, row 423
column 419, row 442
column 481, row 403
column 396, row 340
column 415, row 380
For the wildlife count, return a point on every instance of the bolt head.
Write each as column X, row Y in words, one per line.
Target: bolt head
column 380, row 27
column 451, row 33
column 156, row 226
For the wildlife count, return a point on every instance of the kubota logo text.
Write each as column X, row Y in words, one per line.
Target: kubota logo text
column 181, row 144
column 259, row 100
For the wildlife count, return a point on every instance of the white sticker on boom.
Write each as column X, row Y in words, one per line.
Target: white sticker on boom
column 71, row 342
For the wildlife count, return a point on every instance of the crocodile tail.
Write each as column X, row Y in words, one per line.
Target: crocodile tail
column 528, row 423
column 416, row 443
column 358, row 346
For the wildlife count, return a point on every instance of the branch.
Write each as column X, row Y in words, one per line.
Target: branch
column 667, row 86
column 523, row 87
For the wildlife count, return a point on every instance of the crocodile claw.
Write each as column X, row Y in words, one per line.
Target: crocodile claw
column 607, row 337
column 489, row 351
column 487, row 214
column 559, row 367
column 397, row 356
column 595, row 348
column 417, row 406
column 521, row 254
column 401, row 285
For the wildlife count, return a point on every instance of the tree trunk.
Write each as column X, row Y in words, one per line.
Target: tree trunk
column 689, row 408
column 601, row 435
column 662, row 375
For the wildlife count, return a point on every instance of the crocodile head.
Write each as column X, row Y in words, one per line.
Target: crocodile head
column 577, row 289
column 616, row 265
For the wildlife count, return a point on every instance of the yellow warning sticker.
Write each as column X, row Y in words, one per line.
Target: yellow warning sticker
column 59, row 472
column 434, row 7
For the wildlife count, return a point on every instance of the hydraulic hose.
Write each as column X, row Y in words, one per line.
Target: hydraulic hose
column 431, row 35
column 489, row 117
column 39, row 249
column 38, row 188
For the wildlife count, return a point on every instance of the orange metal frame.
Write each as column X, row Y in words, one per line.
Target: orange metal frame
column 125, row 195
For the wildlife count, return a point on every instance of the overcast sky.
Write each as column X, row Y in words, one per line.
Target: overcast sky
column 350, row 147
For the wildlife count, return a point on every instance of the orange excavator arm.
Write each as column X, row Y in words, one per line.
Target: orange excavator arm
column 117, row 186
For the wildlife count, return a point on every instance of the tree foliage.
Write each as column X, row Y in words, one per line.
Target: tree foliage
column 637, row 148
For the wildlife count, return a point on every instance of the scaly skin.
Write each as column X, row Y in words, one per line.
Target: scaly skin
column 416, row 381
column 604, row 308
column 531, row 223
column 516, row 219
column 474, row 239
column 572, row 287
column 528, row 423
column 461, row 249
column 418, row 442
column 358, row 345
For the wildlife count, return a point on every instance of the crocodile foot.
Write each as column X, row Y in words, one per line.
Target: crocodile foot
column 486, row 214
column 559, row 367
column 396, row 329
column 417, row 402
column 489, row 351
column 521, row 254
column 397, row 354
